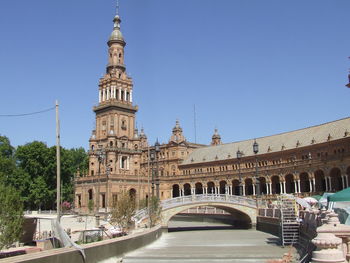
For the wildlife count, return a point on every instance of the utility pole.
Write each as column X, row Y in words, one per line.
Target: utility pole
column 58, row 160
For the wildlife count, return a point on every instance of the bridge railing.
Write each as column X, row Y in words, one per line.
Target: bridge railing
column 190, row 199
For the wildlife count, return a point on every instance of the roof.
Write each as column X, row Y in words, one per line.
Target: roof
column 284, row 141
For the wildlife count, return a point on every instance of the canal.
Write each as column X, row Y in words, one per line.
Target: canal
column 208, row 242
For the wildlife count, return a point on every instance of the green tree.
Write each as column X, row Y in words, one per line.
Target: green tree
column 122, row 211
column 11, row 215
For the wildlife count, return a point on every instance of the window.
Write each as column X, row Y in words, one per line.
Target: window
column 92, row 172
column 111, row 144
column 124, row 164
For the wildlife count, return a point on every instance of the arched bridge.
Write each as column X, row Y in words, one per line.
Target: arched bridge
column 244, row 208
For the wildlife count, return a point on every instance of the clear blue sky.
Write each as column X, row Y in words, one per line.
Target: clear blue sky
column 252, row 68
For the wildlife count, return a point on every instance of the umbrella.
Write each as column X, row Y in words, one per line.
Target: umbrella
column 341, row 196
column 311, row 200
column 302, row 202
column 323, row 201
column 317, row 197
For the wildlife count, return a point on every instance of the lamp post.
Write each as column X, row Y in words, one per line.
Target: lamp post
column 257, row 180
column 157, row 149
column 152, row 157
column 100, row 158
column 240, row 186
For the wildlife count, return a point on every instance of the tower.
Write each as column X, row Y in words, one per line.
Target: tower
column 114, row 156
column 216, row 138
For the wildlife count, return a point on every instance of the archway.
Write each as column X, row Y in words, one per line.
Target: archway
column 222, row 187
column 320, row 183
column 336, row 180
column 211, row 187
column 176, row 190
column 199, row 188
column 290, row 185
column 262, row 181
column 276, row 186
column 132, row 193
column 235, row 187
column 249, row 186
column 304, row 182
column 187, row 189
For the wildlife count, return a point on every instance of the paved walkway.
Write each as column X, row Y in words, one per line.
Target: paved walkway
column 228, row 245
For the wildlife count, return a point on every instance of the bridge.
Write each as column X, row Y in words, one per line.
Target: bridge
column 243, row 209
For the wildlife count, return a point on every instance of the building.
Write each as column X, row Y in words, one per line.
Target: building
column 302, row 162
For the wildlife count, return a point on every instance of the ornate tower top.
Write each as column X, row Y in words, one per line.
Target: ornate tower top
column 216, row 138
column 177, row 135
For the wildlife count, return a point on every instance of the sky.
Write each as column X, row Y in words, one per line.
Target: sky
column 251, row 68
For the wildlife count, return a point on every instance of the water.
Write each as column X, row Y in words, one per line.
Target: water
column 216, row 245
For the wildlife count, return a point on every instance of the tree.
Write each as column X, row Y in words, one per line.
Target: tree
column 155, row 210
column 123, row 210
column 11, row 215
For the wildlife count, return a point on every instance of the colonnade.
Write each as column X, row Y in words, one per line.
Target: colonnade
column 122, row 94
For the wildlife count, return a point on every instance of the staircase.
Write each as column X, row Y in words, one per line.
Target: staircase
column 289, row 224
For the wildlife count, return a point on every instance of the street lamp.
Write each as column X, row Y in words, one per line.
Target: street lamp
column 157, row 149
column 100, row 158
column 240, row 186
column 152, row 157
column 256, row 150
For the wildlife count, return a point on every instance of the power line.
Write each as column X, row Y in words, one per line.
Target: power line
column 27, row 114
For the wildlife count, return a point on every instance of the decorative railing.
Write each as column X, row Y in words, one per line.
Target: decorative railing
column 189, row 199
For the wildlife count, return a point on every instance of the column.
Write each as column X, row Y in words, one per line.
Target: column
column 218, row 190
column 243, row 188
column 295, row 187
column 103, row 95
column 284, row 187
column 330, row 183
column 346, row 181
column 281, row 188
column 267, row 189
column 270, row 188
column 120, row 93
column 99, row 96
column 310, row 186
column 193, row 191
column 299, row 186
column 253, row 189
column 343, row 181
column 171, row 193
column 326, row 180
column 130, row 95
column 314, row 184
column 125, row 94
column 231, row 190
column 107, row 93
column 205, row 190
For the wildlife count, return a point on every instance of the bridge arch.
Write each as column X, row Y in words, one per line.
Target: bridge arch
column 243, row 208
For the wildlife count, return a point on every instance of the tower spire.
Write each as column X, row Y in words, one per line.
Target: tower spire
column 117, row 8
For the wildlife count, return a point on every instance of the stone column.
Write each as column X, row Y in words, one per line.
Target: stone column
column 231, row 190
column 342, row 181
column 120, row 93
column 310, row 185
column 295, row 187
column 281, row 188
column 346, row 181
column 107, row 93
column 103, row 94
column 299, row 186
column 284, row 187
column 253, row 189
column 125, row 94
column 205, row 190
column 243, row 187
column 99, row 96
column 267, row 189
column 171, row 193
column 330, row 183
column 314, row 184
column 270, row 188
column 326, row 180
column 130, row 95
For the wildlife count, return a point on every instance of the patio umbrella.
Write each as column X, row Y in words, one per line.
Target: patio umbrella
column 317, row 197
column 302, row 202
column 311, row 200
column 341, row 196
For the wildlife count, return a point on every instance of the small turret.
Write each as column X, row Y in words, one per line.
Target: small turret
column 216, row 138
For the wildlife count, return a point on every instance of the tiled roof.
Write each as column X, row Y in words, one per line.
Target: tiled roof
column 284, row 141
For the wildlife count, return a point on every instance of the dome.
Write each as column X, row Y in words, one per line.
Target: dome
column 116, row 35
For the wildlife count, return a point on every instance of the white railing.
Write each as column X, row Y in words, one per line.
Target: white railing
column 192, row 199
column 208, row 198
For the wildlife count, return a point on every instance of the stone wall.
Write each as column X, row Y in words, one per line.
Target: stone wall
column 106, row 250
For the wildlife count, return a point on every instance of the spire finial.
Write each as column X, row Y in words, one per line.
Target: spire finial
column 117, row 7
